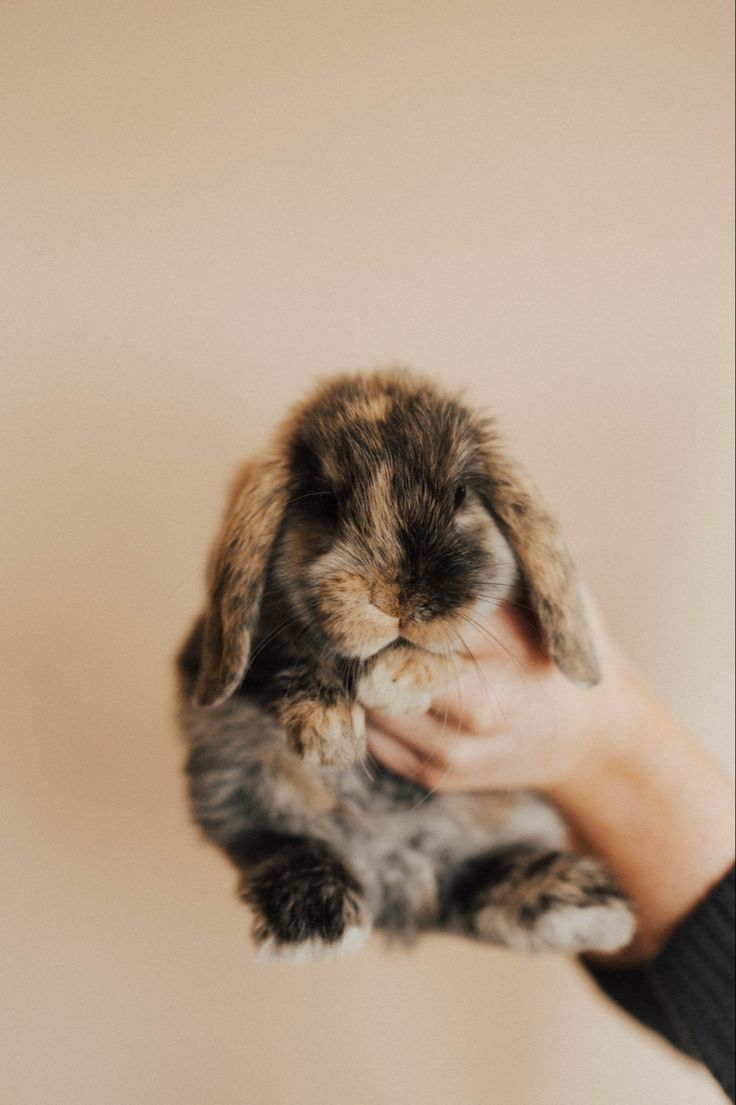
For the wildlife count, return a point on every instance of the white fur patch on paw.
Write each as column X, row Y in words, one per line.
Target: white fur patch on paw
column 315, row 950
column 402, row 681
column 601, row 928
column 564, row 928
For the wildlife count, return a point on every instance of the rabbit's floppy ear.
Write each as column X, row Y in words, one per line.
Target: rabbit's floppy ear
column 236, row 576
column 544, row 562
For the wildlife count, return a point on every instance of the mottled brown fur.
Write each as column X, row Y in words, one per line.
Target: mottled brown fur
column 329, row 735
column 236, row 575
column 383, row 518
column 545, row 564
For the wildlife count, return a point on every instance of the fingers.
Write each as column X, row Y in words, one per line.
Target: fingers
column 393, row 753
column 467, row 740
column 424, row 733
column 433, row 754
column 477, row 695
column 442, row 748
column 421, row 748
column 506, row 633
column 413, row 763
column 470, row 704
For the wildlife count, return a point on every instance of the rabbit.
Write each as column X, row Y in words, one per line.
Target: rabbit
column 382, row 519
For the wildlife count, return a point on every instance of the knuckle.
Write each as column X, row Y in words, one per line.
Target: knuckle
column 479, row 719
column 433, row 773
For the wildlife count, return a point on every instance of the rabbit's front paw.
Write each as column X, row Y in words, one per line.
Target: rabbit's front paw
column 402, row 681
column 307, row 905
column 327, row 736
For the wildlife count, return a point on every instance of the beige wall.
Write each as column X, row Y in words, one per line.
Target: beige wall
column 205, row 204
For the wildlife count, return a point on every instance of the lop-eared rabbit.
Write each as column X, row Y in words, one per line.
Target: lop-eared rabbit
column 384, row 519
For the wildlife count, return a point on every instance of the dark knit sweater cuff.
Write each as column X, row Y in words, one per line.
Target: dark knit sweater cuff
column 686, row 994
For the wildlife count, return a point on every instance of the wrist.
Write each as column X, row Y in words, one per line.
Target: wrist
column 613, row 742
column 652, row 805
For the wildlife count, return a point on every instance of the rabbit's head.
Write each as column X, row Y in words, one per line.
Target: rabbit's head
column 385, row 511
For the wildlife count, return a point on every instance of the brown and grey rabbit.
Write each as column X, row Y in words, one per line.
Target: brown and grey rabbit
column 382, row 520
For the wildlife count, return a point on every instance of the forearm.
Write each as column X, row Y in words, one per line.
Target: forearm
column 655, row 808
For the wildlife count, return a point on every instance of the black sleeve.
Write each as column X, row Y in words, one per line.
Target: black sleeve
column 686, row 994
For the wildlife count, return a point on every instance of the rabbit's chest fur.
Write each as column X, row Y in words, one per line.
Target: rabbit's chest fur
column 403, row 845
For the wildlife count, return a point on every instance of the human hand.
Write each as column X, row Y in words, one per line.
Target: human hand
column 637, row 789
column 508, row 717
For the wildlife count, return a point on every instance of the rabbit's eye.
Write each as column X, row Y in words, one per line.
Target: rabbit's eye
column 460, row 493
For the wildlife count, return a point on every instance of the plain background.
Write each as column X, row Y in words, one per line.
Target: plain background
column 205, row 205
